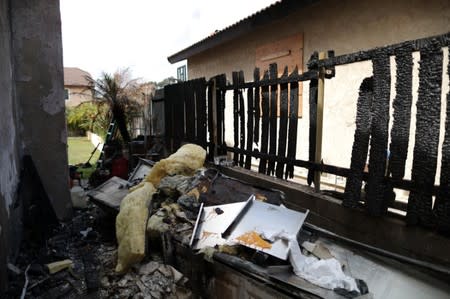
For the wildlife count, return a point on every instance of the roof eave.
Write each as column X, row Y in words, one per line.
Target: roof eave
column 269, row 14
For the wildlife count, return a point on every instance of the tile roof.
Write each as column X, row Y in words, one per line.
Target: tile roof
column 275, row 11
column 74, row 76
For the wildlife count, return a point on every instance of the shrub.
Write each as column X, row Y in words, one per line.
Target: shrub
column 88, row 116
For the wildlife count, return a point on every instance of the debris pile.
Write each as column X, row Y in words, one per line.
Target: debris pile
column 178, row 202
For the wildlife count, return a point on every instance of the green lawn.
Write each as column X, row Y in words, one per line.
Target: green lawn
column 80, row 148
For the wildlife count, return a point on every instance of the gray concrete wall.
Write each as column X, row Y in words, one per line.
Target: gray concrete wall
column 37, row 47
column 32, row 119
column 9, row 153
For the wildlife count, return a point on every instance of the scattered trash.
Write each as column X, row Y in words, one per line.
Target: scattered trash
column 25, row 286
column 110, row 194
column 211, row 225
column 248, row 223
column 58, row 266
column 77, row 195
column 318, row 250
column 14, row 269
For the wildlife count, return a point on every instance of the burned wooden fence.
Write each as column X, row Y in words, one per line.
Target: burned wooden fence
column 185, row 113
column 265, row 114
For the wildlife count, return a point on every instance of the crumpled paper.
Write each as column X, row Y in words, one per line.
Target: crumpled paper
column 324, row 273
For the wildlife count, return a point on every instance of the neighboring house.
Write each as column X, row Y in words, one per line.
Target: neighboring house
column 76, row 86
column 289, row 31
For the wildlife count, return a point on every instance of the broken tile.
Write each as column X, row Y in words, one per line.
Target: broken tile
column 148, row 268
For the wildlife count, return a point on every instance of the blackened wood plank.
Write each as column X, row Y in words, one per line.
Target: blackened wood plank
column 293, row 122
column 168, row 116
column 200, row 99
column 442, row 205
column 379, row 135
column 220, row 94
column 427, row 136
column 257, row 96
column 273, row 118
column 313, row 85
column 360, row 144
column 250, row 123
column 180, row 115
column 235, row 76
column 241, row 81
column 265, row 124
column 282, row 134
column 211, row 128
column 402, row 113
column 190, row 110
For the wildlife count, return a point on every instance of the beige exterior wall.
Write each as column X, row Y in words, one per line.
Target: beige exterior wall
column 341, row 25
column 344, row 26
column 77, row 95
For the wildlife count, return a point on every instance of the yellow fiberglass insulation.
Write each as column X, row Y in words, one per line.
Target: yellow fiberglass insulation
column 132, row 219
column 131, row 224
column 185, row 161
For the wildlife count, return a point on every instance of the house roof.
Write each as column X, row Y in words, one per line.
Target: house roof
column 276, row 11
column 74, row 76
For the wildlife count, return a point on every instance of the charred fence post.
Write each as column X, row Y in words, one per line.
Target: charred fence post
column 293, row 122
column 189, row 109
column 200, row 112
column 312, row 65
column 427, row 136
column 375, row 200
column 212, row 119
column 265, row 124
column 241, row 82
column 282, row 133
column 360, row 144
column 235, row 76
column 250, row 122
column 221, row 82
column 442, row 205
column 257, row 97
column 402, row 112
column 273, row 71
column 168, row 116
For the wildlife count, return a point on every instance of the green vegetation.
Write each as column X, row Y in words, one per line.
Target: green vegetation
column 88, row 116
column 79, row 150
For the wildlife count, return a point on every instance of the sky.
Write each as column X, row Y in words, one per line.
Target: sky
column 106, row 35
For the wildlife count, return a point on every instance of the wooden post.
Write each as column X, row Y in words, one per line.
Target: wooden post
column 214, row 116
column 320, row 97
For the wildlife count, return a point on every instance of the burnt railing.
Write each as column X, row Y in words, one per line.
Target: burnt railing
column 265, row 114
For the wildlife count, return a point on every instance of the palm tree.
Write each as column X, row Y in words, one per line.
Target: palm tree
column 117, row 91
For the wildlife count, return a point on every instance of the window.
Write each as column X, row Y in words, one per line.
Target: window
column 284, row 52
column 181, row 73
column 66, row 94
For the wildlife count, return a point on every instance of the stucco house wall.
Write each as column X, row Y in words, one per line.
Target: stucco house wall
column 78, row 95
column 343, row 26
